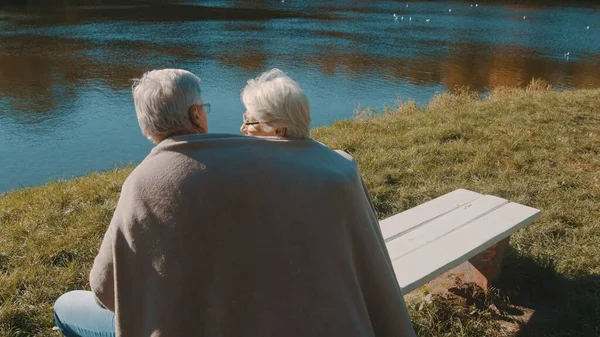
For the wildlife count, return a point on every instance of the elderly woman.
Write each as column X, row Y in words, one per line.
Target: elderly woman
column 275, row 106
column 227, row 235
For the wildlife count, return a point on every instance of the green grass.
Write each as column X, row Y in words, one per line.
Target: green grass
column 534, row 146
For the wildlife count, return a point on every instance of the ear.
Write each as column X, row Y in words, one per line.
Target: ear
column 280, row 132
column 194, row 115
column 196, row 119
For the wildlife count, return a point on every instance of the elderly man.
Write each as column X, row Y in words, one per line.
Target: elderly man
column 226, row 235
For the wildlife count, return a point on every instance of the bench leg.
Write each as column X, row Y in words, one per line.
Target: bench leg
column 482, row 269
column 488, row 264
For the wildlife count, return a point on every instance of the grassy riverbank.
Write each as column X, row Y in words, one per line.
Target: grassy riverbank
column 537, row 147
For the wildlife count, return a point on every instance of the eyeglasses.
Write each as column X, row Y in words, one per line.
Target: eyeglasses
column 206, row 107
column 246, row 121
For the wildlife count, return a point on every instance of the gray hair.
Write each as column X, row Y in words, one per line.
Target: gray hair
column 276, row 100
column 162, row 99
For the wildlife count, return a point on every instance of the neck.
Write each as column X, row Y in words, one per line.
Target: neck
column 186, row 132
column 158, row 139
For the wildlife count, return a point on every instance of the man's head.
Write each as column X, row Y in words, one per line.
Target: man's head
column 168, row 103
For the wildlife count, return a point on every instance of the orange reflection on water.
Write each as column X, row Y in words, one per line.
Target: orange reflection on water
column 466, row 65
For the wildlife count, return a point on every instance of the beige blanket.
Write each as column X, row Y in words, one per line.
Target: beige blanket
column 224, row 235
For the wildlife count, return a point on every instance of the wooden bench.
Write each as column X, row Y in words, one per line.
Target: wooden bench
column 432, row 238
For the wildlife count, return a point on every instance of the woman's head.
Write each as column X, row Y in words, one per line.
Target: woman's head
column 275, row 106
column 167, row 102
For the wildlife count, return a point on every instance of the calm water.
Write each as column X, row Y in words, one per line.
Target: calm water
column 65, row 71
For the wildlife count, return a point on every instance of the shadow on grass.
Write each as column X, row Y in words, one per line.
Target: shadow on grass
column 563, row 306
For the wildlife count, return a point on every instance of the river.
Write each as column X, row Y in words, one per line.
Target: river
column 66, row 69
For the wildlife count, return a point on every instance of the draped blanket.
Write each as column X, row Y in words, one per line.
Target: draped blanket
column 222, row 235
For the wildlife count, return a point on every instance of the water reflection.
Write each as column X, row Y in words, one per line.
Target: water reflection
column 66, row 69
column 479, row 67
column 538, row 3
column 251, row 60
column 63, row 12
column 39, row 73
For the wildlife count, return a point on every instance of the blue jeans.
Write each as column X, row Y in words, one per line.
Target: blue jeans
column 77, row 314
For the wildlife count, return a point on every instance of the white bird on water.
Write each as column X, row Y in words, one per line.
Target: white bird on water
column 395, row 16
column 588, row 28
column 427, row 20
column 524, row 17
column 410, row 18
column 471, row 5
column 568, row 54
column 450, row 10
column 406, row 6
column 476, row 5
column 402, row 18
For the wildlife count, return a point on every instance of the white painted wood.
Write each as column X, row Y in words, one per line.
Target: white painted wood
column 431, row 260
column 443, row 225
column 415, row 217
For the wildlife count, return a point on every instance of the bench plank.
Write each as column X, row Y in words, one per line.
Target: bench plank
column 413, row 218
column 443, row 225
column 434, row 258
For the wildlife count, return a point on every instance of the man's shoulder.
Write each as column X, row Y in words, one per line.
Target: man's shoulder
column 158, row 169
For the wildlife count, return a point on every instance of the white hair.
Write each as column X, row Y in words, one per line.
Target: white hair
column 276, row 100
column 162, row 99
